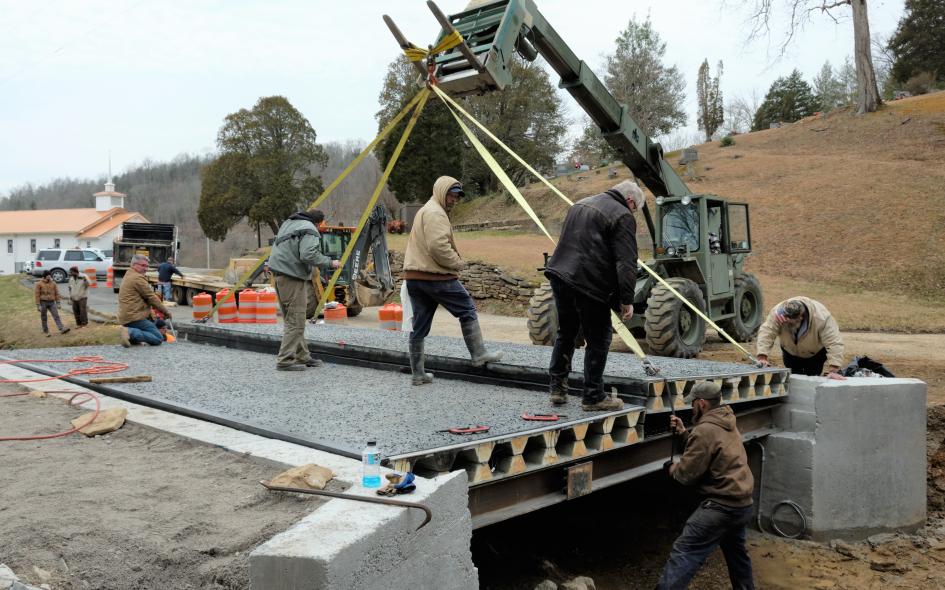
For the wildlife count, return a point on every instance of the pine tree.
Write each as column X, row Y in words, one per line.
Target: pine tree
column 789, row 99
column 711, row 113
column 918, row 45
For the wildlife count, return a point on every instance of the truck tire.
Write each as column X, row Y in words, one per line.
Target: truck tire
column 354, row 309
column 749, row 308
column 542, row 316
column 58, row 275
column 672, row 329
column 179, row 294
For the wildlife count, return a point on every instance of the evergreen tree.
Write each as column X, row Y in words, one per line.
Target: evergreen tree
column 918, row 45
column 789, row 99
column 711, row 113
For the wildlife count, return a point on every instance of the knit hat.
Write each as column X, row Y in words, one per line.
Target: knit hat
column 629, row 190
column 704, row 390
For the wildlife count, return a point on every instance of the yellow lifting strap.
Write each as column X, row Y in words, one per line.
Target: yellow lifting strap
column 619, row 327
column 424, row 94
column 450, row 41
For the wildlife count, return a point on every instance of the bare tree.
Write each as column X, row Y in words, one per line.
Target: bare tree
column 799, row 11
column 740, row 111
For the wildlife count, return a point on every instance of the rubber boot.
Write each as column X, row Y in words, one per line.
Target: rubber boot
column 559, row 391
column 420, row 376
column 477, row 350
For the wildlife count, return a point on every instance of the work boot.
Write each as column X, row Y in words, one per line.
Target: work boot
column 477, row 350
column 313, row 363
column 125, row 338
column 420, row 376
column 64, row 331
column 294, row 367
column 559, row 391
column 607, row 404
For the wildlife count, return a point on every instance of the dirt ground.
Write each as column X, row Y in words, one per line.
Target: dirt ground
column 136, row 508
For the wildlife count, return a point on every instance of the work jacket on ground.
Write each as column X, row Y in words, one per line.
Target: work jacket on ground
column 597, row 250
column 136, row 298
column 431, row 252
column 715, row 459
column 46, row 291
column 78, row 287
column 822, row 332
column 296, row 250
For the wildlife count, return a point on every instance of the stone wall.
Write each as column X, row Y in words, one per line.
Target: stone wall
column 483, row 281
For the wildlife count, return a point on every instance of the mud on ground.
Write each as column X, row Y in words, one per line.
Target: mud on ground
column 136, row 508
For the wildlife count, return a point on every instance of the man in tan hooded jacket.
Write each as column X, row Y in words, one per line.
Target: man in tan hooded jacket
column 809, row 337
column 431, row 270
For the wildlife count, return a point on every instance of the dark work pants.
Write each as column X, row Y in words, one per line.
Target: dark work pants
column 813, row 366
column 577, row 312
column 50, row 307
column 426, row 295
column 80, row 309
column 711, row 524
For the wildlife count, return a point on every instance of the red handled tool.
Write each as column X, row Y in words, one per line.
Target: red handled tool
column 466, row 429
column 543, row 417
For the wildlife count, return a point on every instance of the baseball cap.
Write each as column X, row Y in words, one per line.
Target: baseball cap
column 704, row 390
column 457, row 189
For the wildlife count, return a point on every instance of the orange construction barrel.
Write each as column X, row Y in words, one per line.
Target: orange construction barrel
column 266, row 308
column 226, row 312
column 93, row 281
column 337, row 313
column 247, row 310
column 110, row 278
column 203, row 303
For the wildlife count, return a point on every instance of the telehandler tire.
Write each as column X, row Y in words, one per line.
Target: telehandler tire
column 749, row 308
column 542, row 316
column 672, row 329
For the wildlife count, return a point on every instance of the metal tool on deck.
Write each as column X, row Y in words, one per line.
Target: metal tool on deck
column 368, row 499
column 465, row 429
column 543, row 417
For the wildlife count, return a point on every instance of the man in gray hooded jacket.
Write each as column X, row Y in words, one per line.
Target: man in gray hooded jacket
column 295, row 254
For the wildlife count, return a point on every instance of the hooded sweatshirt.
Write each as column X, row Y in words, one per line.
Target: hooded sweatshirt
column 296, row 250
column 431, row 252
column 715, row 459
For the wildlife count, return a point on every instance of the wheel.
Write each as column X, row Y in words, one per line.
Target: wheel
column 179, row 294
column 672, row 329
column 749, row 308
column 542, row 316
column 354, row 309
column 189, row 296
column 58, row 275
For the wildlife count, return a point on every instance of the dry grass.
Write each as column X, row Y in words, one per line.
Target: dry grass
column 21, row 326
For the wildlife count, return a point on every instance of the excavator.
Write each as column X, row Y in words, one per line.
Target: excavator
column 700, row 242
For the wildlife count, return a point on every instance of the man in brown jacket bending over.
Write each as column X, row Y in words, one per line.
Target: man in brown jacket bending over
column 809, row 337
column 431, row 269
column 714, row 459
column 135, row 300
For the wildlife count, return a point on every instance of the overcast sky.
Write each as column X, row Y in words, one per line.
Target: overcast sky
column 154, row 79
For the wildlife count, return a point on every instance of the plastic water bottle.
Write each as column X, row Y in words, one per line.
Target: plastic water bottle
column 371, row 466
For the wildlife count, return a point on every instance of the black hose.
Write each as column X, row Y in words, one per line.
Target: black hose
column 797, row 509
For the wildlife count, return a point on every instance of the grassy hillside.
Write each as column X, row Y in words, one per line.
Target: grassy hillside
column 842, row 200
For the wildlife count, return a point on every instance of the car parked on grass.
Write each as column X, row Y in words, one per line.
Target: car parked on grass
column 58, row 261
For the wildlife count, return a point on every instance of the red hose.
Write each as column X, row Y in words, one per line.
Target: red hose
column 72, row 402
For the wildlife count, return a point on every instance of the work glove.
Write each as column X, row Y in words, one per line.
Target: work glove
column 167, row 315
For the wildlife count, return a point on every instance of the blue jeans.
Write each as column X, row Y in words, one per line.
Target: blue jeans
column 711, row 524
column 426, row 295
column 144, row 331
column 165, row 289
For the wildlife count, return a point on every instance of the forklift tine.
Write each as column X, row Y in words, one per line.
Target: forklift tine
column 448, row 28
column 404, row 44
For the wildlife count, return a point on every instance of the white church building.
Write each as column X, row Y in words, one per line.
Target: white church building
column 24, row 233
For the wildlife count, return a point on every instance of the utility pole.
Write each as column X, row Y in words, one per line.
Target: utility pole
column 208, row 252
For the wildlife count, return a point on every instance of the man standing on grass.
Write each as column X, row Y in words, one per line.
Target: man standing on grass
column 593, row 271
column 79, row 296
column 431, row 271
column 135, row 300
column 809, row 337
column 46, row 294
column 296, row 252
column 716, row 461
column 166, row 271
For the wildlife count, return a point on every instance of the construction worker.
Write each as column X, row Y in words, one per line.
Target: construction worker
column 715, row 460
column 135, row 300
column 431, row 270
column 809, row 338
column 593, row 270
column 46, row 295
column 295, row 254
column 79, row 296
column 166, row 271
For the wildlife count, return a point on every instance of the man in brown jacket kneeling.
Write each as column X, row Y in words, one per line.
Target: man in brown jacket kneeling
column 431, row 270
column 714, row 459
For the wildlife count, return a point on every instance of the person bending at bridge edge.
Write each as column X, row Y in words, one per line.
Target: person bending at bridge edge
column 135, row 300
column 296, row 253
column 809, row 337
column 715, row 459
column 593, row 270
column 166, row 271
column 431, row 269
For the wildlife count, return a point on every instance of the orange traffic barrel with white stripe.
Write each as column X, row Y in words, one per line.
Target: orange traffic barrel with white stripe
column 110, row 278
column 266, row 308
column 337, row 313
column 203, row 303
column 247, row 311
column 226, row 311
column 388, row 316
column 93, row 281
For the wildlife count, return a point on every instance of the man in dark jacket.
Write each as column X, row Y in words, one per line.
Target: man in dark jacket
column 593, row 270
column 166, row 272
column 714, row 459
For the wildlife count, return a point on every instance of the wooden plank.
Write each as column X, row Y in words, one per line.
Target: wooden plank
column 126, row 379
